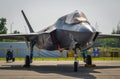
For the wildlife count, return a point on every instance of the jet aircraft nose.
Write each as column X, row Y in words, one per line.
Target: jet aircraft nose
column 80, row 17
column 79, row 22
column 75, row 21
column 85, row 27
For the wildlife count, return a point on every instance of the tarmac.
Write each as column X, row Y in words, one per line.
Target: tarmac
column 59, row 70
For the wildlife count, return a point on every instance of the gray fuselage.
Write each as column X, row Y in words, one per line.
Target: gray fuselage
column 67, row 32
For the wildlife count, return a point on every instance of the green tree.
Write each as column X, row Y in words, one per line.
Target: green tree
column 114, row 31
column 3, row 29
column 16, row 32
column 118, row 29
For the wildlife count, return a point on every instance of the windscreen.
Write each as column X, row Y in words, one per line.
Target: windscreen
column 75, row 17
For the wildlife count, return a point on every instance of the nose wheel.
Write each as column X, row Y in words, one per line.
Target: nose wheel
column 75, row 58
column 75, row 66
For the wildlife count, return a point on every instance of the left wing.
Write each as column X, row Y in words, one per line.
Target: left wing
column 21, row 36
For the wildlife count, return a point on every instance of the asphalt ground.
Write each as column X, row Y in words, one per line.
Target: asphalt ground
column 59, row 70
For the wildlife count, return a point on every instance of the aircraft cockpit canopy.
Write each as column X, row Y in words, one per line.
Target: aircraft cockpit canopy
column 75, row 18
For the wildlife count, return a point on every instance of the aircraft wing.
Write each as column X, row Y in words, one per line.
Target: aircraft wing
column 20, row 36
column 109, row 36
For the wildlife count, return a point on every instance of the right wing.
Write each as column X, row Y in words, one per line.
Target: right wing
column 109, row 36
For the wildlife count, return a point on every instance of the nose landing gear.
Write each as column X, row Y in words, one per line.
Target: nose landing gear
column 75, row 58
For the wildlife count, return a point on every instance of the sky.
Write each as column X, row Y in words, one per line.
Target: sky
column 102, row 14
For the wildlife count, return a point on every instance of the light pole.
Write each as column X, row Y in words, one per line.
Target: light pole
column 11, row 27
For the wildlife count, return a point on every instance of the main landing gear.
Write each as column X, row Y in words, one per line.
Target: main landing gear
column 89, row 62
column 28, row 58
column 27, row 61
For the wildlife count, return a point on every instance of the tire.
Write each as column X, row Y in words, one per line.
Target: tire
column 7, row 59
column 13, row 59
column 75, row 66
column 89, row 60
column 27, row 61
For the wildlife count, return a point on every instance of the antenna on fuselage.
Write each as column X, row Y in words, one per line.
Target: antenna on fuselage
column 28, row 23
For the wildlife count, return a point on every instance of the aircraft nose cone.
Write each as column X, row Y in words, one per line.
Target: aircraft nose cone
column 84, row 27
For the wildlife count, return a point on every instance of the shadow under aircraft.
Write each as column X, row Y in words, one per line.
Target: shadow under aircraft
column 62, row 69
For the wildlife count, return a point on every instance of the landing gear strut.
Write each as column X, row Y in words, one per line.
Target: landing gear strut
column 28, row 59
column 75, row 60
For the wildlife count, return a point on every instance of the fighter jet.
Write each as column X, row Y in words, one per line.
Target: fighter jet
column 70, row 31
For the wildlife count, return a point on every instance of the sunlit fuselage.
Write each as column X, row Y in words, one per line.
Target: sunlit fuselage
column 68, row 31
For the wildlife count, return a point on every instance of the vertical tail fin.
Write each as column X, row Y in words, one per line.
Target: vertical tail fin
column 29, row 26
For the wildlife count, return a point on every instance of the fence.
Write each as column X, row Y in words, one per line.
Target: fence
column 21, row 50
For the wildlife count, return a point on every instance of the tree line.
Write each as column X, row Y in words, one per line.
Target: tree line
column 3, row 29
column 110, row 42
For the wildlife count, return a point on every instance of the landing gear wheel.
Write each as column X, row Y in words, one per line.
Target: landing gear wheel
column 13, row 59
column 7, row 59
column 75, row 66
column 89, row 60
column 27, row 61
